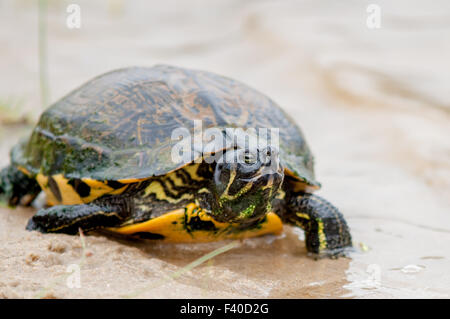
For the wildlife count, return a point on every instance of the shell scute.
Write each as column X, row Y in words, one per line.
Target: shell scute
column 118, row 126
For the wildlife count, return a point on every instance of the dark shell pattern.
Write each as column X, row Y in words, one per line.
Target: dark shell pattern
column 119, row 125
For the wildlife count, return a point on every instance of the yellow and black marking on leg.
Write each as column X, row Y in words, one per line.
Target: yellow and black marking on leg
column 173, row 191
column 192, row 224
column 173, row 187
column 326, row 231
column 179, row 185
column 17, row 186
column 61, row 190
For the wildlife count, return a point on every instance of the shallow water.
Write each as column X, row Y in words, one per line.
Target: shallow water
column 374, row 105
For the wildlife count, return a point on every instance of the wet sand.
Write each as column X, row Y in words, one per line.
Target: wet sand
column 374, row 106
column 272, row 267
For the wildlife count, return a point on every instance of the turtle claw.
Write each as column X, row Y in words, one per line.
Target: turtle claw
column 33, row 226
column 344, row 252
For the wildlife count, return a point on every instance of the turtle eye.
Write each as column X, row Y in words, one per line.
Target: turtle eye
column 267, row 155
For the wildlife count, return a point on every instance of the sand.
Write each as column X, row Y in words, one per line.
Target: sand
column 262, row 267
column 373, row 104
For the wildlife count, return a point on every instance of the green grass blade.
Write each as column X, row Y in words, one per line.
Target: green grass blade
column 187, row 268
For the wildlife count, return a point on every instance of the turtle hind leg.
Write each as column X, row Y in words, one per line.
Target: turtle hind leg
column 326, row 231
column 16, row 187
column 68, row 219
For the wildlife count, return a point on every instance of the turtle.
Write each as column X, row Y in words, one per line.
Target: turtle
column 104, row 157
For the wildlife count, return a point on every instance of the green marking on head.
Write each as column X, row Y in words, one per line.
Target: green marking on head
column 247, row 212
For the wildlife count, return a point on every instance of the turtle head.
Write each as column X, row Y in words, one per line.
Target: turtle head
column 245, row 184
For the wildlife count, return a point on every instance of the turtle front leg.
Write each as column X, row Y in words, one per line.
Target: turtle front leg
column 16, row 187
column 68, row 219
column 326, row 231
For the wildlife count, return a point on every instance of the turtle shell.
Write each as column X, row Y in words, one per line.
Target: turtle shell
column 119, row 125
